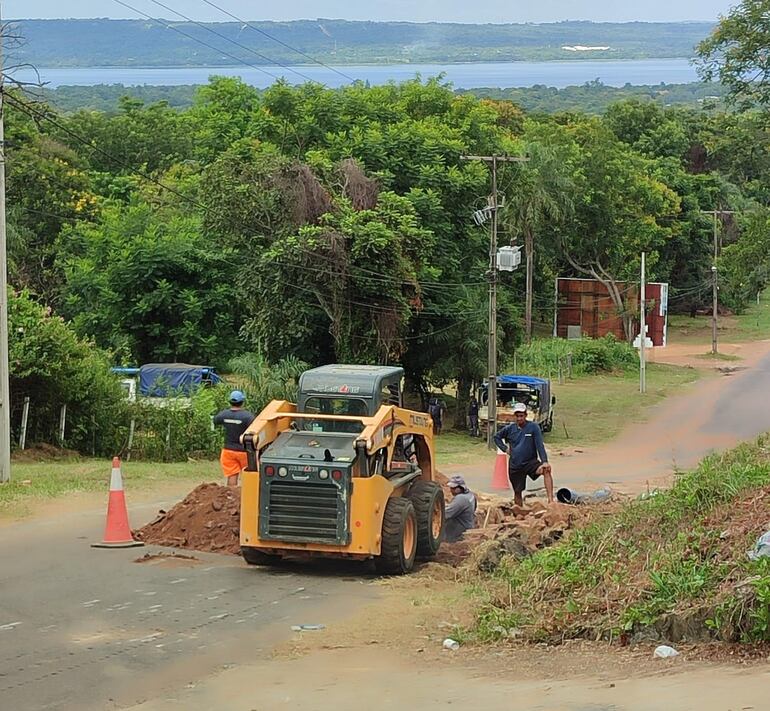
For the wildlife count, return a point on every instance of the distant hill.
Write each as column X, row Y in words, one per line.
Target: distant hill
column 102, row 42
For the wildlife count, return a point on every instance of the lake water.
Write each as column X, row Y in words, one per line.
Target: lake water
column 463, row 76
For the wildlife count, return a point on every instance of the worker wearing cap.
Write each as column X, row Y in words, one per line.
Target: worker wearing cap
column 460, row 514
column 523, row 441
column 235, row 420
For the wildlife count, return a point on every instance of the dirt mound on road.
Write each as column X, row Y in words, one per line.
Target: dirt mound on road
column 504, row 529
column 207, row 519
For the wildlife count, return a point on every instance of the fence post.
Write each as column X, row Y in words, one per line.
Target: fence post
column 62, row 423
column 24, row 420
column 569, row 364
column 131, row 428
column 168, row 440
column 561, row 373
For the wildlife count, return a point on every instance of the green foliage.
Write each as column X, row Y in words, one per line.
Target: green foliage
column 139, row 137
column 735, row 53
column 265, row 381
column 335, row 224
column 589, row 356
column 149, row 285
column 176, row 429
column 53, row 367
column 593, row 97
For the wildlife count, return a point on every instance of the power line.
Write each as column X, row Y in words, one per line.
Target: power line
column 229, row 39
column 171, row 27
column 281, row 42
column 379, row 277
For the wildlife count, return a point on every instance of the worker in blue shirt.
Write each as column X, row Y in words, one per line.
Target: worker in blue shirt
column 523, row 441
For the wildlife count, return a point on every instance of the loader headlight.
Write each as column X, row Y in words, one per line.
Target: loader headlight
column 323, row 474
column 282, row 471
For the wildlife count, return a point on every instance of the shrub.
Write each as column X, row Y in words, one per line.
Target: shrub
column 52, row 366
column 589, row 356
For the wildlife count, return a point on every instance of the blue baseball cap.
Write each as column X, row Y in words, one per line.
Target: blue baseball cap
column 237, row 397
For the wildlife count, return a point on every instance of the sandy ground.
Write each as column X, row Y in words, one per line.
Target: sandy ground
column 390, row 656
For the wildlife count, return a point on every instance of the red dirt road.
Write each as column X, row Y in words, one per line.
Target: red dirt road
column 713, row 414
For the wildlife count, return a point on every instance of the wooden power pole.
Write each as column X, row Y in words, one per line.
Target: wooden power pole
column 714, row 284
column 5, row 395
column 493, row 162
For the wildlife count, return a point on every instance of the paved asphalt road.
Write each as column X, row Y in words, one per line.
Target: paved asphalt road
column 84, row 628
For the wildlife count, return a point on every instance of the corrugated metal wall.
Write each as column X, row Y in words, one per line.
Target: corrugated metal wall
column 586, row 304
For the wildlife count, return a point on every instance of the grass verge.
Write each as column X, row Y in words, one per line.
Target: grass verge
column 752, row 325
column 672, row 566
column 595, row 409
column 32, row 482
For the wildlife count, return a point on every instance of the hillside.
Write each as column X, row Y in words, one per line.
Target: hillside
column 103, row 42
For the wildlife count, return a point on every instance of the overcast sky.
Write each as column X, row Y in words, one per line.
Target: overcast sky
column 416, row 10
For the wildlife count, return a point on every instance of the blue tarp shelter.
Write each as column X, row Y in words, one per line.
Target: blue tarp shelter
column 167, row 379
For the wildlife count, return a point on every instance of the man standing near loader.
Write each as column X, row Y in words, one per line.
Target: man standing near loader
column 523, row 441
column 235, row 420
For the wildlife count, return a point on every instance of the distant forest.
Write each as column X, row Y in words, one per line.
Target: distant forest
column 103, row 42
column 593, row 97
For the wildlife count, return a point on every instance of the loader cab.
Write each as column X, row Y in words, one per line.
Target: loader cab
column 350, row 390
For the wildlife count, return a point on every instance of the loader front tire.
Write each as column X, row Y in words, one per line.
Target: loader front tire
column 428, row 500
column 398, row 547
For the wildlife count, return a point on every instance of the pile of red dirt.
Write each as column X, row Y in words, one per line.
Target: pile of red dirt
column 502, row 528
column 207, row 519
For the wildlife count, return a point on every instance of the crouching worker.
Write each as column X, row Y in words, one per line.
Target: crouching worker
column 523, row 441
column 236, row 421
column 461, row 510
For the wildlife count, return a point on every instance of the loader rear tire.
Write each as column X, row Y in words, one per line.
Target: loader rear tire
column 254, row 556
column 428, row 500
column 398, row 548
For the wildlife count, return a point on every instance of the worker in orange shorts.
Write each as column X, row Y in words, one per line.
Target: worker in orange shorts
column 235, row 420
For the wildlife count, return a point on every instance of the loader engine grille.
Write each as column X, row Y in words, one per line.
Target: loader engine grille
column 303, row 511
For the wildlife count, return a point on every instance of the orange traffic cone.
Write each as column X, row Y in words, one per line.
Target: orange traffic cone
column 500, row 474
column 117, row 532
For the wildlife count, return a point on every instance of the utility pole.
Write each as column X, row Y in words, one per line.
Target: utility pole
column 493, row 162
column 714, row 284
column 5, row 395
column 643, row 330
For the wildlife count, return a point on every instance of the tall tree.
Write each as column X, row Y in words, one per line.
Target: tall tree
column 542, row 193
column 737, row 53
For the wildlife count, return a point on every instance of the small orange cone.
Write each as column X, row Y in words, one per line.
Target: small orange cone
column 117, row 532
column 500, row 474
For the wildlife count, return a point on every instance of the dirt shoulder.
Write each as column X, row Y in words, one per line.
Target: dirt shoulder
column 389, row 655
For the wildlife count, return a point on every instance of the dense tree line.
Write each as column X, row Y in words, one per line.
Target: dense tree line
column 320, row 225
column 593, row 97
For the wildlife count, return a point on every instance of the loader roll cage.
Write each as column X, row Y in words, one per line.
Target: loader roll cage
column 380, row 437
